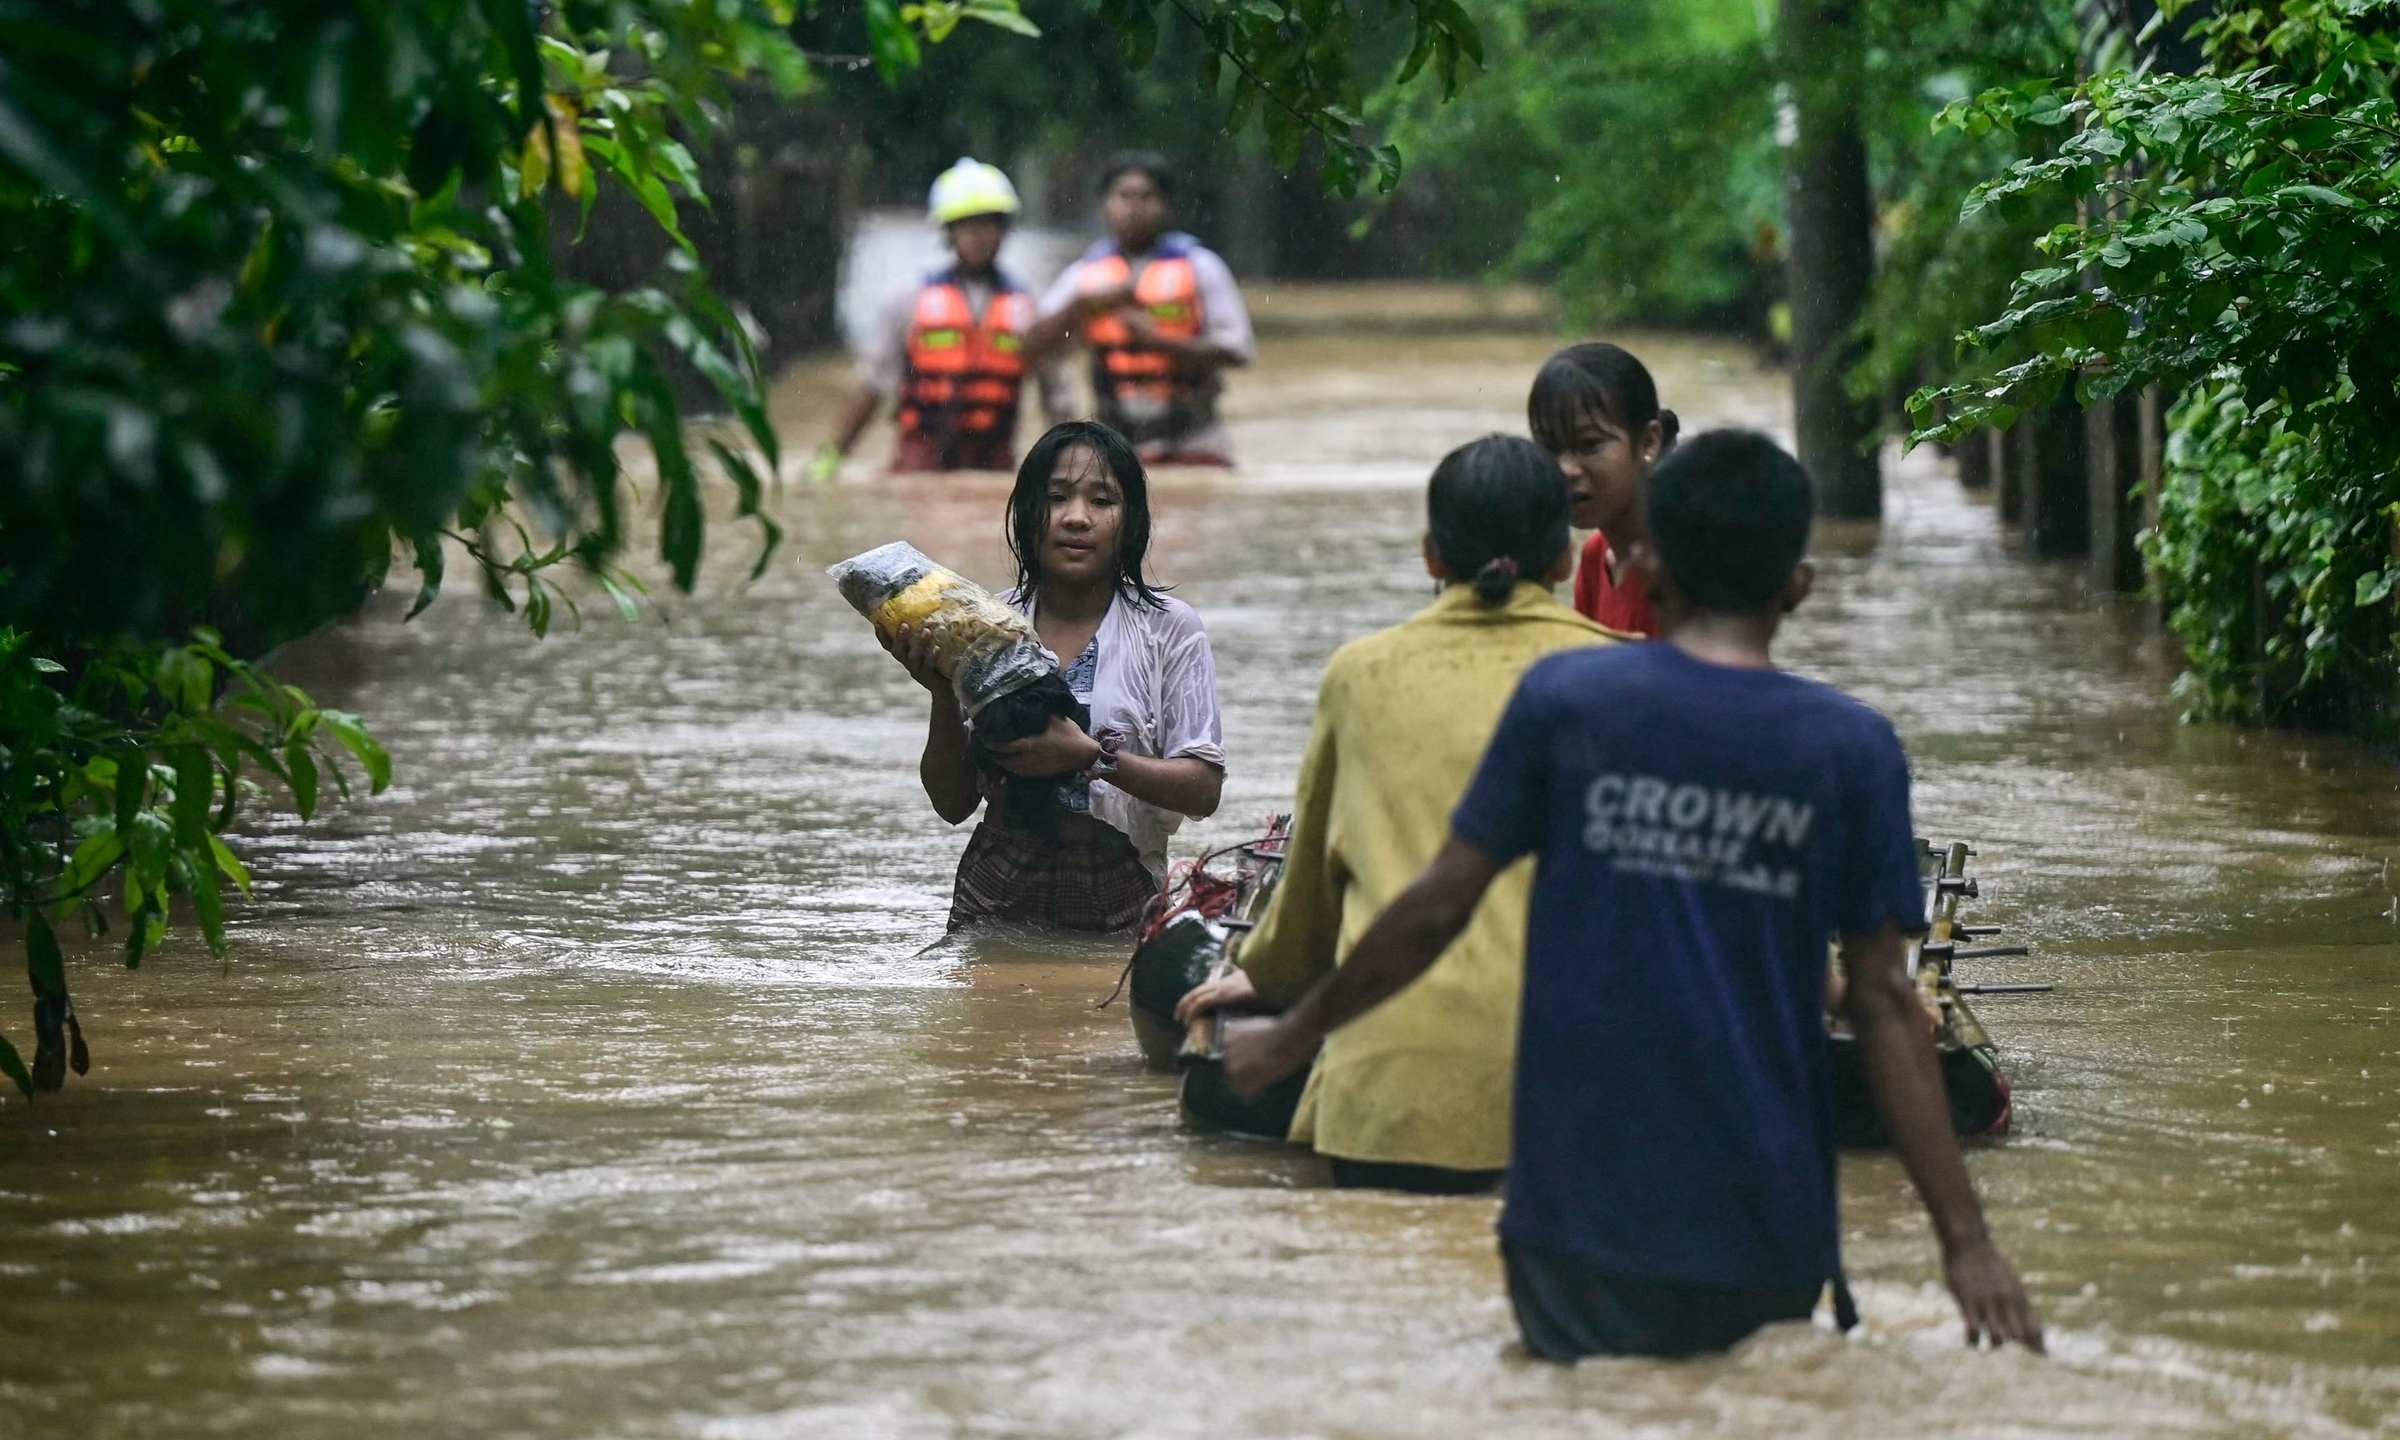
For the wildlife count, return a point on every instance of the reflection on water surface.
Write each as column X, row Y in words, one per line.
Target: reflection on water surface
column 598, row 1081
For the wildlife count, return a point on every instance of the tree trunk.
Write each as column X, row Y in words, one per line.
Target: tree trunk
column 2058, row 506
column 1831, row 211
column 2113, row 461
column 1973, row 456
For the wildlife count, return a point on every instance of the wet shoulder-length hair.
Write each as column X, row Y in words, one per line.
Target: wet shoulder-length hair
column 1029, row 507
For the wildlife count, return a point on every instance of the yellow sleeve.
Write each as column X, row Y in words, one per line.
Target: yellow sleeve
column 1293, row 946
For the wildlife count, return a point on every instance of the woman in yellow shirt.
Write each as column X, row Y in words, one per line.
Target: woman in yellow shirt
column 1416, row 1095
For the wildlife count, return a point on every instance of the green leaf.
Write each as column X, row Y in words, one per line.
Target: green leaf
column 2319, row 193
column 429, row 567
column 13, row 1065
column 746, row 485
column 45, row 967
column 514, row 20
column 2374, row 586
column 195, row 794
column 229, row 864
column 1245, row 101
column 92, row 860
column 353, row 736
column 1138, row 36
column 627, row 609
column 133, row 786
column 1005, row 15
column 149, row 926
column 300, row 770
column 889, row 39
column 208, row 903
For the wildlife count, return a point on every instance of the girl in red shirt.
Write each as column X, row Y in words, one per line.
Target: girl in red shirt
column 1595, row 408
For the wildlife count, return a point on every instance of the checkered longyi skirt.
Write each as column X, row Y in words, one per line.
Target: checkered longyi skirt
column 1091, row 878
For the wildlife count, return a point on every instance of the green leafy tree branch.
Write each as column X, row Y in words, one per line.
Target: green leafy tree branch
column 2238, row 243
column 280, row 303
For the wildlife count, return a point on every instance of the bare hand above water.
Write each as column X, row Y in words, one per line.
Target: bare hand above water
column 913, row 648
column 1063, row 749
column 1215, row 993
column 1991, row 1298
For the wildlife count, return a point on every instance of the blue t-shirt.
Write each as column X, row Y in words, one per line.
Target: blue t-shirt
column 1703, row 831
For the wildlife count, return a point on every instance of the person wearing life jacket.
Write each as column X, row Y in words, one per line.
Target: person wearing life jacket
column 951, row 354
column 1161, row 317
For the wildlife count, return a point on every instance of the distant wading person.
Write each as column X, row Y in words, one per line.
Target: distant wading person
column 1595, row 408
column 1702, row 822
column 1416, row 1095
column 1161, row 316
column 951, row 353
column 1079, row 526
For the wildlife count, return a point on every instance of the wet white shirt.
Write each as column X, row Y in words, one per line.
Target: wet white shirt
column 1155, row 683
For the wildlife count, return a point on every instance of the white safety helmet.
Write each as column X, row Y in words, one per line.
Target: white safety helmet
column 971, row 188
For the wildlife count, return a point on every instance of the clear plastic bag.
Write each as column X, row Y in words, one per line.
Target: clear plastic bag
column 985, row 646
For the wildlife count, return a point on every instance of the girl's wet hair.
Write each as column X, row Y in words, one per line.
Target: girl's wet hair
column 1029, row 507
column 1498, row 511
column 1595, row 378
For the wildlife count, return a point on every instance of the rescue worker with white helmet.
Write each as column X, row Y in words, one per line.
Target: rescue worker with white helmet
column 951, row 353
column 1161, row 316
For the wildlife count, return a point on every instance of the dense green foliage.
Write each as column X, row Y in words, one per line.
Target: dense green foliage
column 1628, row 152
column 2239, row 246
column 1288, row 64
column 1622, row 149
column 281, row 301
column 281, row 294
column 1939, row 271
column 129, row 772
column 280, row 298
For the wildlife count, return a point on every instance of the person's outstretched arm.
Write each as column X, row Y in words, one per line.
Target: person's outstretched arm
column 1402, row 944
column 1889, row 1021
column 857, row 413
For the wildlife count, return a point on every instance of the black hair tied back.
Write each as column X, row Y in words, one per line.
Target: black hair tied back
column 1497, row 513
column 1497, row 580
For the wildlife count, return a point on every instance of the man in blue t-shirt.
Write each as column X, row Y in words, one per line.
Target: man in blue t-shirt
column 1703, row 822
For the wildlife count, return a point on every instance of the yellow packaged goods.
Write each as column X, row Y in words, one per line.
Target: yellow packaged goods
column 954, row 610
column 985, row 646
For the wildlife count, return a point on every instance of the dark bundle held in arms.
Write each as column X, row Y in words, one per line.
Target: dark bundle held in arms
column 1008, row 686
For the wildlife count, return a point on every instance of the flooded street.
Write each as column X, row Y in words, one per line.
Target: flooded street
column 598, row 1080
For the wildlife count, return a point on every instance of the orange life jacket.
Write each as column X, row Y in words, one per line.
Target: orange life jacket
column 964, row 374
column 1140, row 390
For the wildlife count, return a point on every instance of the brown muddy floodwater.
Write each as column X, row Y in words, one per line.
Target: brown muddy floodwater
column 598, row 1081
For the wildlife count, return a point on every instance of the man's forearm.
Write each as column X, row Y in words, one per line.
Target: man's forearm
column 1906, row 1081
column 857, row 413
column 1402, row 943
column 1202, row 357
